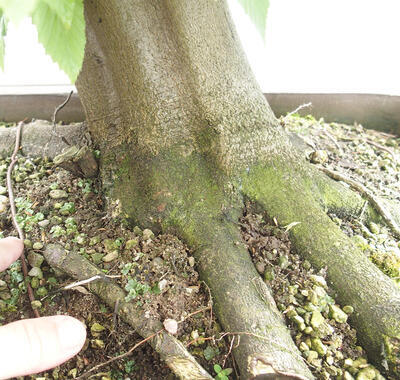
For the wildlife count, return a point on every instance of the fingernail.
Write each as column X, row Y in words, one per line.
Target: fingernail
column 72, row 334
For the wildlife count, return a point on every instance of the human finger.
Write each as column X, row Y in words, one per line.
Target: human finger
column 10, row 249
column 34, row 345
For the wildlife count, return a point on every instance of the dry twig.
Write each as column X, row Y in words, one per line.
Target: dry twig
column 14, row 213
column 300, row 107
column 381, row 147
column 62, row 105
column 380, row 208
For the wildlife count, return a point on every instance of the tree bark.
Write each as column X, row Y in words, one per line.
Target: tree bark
column 184, row 133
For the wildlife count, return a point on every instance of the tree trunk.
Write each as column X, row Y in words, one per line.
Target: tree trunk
column 184, row 133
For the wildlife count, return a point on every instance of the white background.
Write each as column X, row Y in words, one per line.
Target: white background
column 310, row 46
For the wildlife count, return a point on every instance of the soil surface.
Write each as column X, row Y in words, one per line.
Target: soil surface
column 159, row 273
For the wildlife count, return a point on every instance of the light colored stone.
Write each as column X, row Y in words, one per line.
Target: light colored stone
column 131, row 243
column 147, row 234
column 37, row 245
column 110, row 256
column 44, row 223
column 35, row 259
column 337, row 314
column 36, row 272
column 319, row 157
column 171, row 326
column 58, row 194
column 3, row 203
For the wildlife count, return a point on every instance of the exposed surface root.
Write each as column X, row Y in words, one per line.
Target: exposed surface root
column 357, row 282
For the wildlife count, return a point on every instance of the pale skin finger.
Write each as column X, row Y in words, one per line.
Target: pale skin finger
column 35, row 345
column 11, row 249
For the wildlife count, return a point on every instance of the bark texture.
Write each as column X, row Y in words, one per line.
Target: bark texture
column 184, row 133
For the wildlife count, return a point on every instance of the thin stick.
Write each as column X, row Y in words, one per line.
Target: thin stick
column 62, row 105
column 229, row 351
column 84, row 282
column 381, row 147
column 300, row 107
column 364, row 191
column 363, row 211
column 14, row 213
column 210, row 302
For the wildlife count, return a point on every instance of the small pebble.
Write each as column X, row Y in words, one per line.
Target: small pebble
column 58, row 194
column 162, row 284
column 260, row 266
column 36, row 304
column 44, row 223
column 38, row 245
column 319, row 157
column 147, row 234
column 110, row 256
column 348, row 309
column 131, row 243
column 36, row 272
column 171, row 326
column 35, row 259
column 3, row 203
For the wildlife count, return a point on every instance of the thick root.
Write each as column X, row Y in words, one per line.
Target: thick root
column 69, row 146
column 244, row 304
column 357, row 282
column 40, row 140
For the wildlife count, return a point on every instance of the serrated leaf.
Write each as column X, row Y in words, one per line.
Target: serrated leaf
column 17, row 10
column 65, row 45
column 3, row 32
column 64, row 10
column 257, row 11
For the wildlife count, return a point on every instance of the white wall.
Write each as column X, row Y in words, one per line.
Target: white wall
column 311, row 46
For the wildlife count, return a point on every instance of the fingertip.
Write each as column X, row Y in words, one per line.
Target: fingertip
column 71, row 333
column 11, row 249
column 42, row 343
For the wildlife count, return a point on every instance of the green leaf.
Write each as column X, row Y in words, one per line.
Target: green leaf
column 227, row 371
column 3, row 32
column 257, row 11
column 16, row 10
column 217, row 368
column 65, row 45
column 64, row 9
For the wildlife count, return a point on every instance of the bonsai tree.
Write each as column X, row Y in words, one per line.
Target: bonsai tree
column 186, row 136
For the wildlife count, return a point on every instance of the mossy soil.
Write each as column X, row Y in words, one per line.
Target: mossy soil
column 159, row 272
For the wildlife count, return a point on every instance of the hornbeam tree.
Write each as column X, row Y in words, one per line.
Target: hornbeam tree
column 185, row 136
